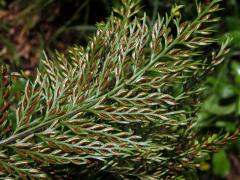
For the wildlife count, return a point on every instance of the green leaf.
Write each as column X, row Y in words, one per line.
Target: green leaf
column 212, row 106
column 236, row 70
column 229, row 126
column 221, row 164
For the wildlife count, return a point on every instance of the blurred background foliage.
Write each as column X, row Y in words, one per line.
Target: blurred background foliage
column 29, row 27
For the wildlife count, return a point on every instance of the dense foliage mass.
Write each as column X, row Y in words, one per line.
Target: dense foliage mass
column 126, row 104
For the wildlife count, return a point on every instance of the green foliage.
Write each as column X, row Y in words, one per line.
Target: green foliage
column 231, row 23
column 221, row 164
column 126, row 104
column 221, row 109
